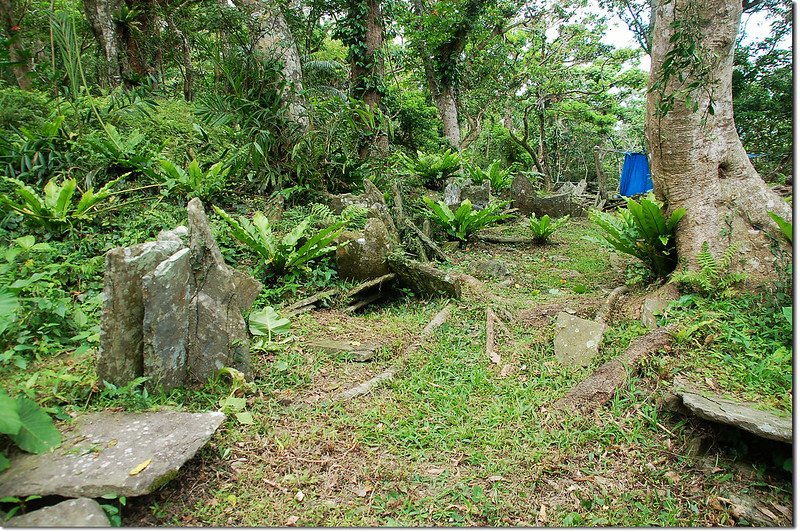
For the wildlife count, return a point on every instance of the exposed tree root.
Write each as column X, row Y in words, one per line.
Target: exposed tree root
column 390, row 372
column 604, row 314
column 601, row 385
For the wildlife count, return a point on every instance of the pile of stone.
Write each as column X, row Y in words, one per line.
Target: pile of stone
column 172, row 309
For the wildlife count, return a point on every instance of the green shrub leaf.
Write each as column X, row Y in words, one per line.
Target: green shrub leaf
column 10, row 423
column 38, row 433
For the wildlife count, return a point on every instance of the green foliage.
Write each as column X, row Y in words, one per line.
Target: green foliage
column 499, row 177
column 54, row 209
column 642, row 231
column 465, row 221
column 282, row 255
column 542, row 228
column 125, row 152
column 748, row 353
column 433, row 169
column 35, row 153
column 785, row 226
column 19, row 108
column 267, row 323
column 28, row 425
column 713, row 277
column 193, row 182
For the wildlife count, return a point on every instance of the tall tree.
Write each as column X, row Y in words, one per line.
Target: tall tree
column 696, row 157
column 12, row 13
column 274, row 38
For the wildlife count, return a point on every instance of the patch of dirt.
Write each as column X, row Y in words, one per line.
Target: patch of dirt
column 542, row 315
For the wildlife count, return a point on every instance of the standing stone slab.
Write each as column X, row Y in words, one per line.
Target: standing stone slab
column 165, row 294
column 712, row 407
column 217, row 332
column 120, row 355
column 522, row 195
column 452, row 195
column 364, row 255
column 577, row 340
column 101, row 450
column 479, row 195
column 74, row 513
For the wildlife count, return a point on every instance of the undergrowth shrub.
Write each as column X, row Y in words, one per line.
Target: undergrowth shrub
column 543, row 228
column 432, row 169
column 713, row 277
column 289, row 254
column 642, row 231
column 499, row 177
column 465, row 221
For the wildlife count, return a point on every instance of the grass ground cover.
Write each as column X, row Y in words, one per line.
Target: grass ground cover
column 455, row 439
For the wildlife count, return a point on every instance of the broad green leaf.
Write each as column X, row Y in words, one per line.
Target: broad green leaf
column 245, row 418
column 233, row 404
column 267, row 322
column 64, row 197
column 38, row 434
column 25, row 242
column 4, row 462
column 785, row 226
column 10, row 423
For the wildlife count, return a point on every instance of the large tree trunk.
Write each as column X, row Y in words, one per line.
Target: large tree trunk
column 21, row 65
column 100, row 16
column 697, row 160
column 275, row 39
column 445, row 101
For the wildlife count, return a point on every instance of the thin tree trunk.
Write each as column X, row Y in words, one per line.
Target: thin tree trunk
column 21, row 65
column 696, row 158
column 100, row 16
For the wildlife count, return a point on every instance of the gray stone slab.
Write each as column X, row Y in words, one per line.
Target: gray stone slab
column 425, row 280
column 74, row 513
column 120, row 355
column 744, row 416
column 101, row 451
column 577, row 340
column 656, row 302
column 364, row 254
column 165, row 294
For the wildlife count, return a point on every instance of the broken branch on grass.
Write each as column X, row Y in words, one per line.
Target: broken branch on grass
column 490, row 351
column 389, row 373
column 425, row 239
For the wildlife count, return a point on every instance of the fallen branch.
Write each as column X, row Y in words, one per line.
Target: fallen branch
column 598, row 389
column 366, row 301
column 311, row 300
column 372, row 283
column 390, row 372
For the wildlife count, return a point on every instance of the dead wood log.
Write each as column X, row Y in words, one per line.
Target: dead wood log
column 390, row 372
column 367, row 285
column 296, row 312
column 599, row 387
column 604, row 314
column 425, row 239
column 364, row 302
column 311, row 300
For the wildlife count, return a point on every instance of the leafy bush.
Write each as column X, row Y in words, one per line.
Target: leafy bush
column 500, row 178
column 433, row 169
column 462, row 223
column 282, row 255
column 22, row 108
column 28, row 425
column 543, row 228
column 121, row 152
column 54, row 209
column 265, row 324
column 37, row 312
column 642, row 231
column 35, row 154
column 713, row 278
column 193, row 182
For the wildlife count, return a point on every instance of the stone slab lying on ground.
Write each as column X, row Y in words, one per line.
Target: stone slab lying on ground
column 102, row 452
column 740, row 415
column 577, row 340
column 360, row 352
column 424, row 279
column 74, row 513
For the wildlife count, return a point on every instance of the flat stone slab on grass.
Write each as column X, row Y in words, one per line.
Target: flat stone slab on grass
column 74, row 513
column 361, row 352
column 741, row 415
column 577, row 340
column 102, row 452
